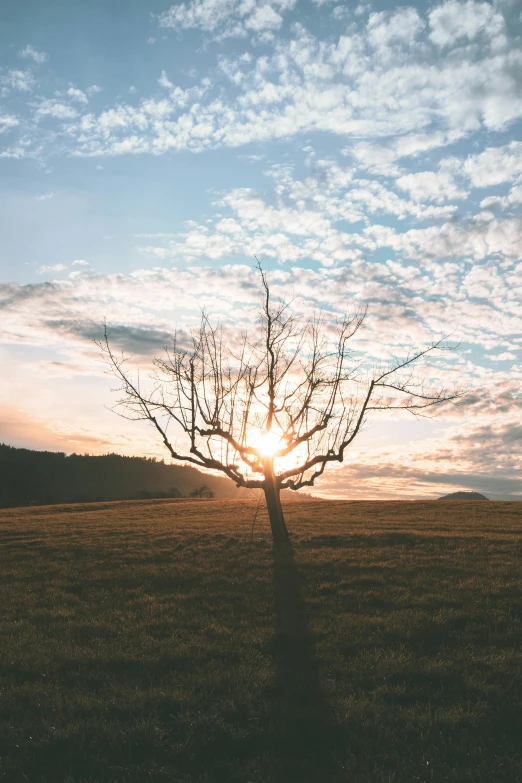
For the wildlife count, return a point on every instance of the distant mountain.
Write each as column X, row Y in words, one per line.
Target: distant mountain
column 464, row 496
column 45, row 477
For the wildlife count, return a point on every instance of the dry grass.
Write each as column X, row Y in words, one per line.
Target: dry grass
column 145, row 641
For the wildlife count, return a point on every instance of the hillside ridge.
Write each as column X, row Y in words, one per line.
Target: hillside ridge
column 30, row 477
column 464, row 496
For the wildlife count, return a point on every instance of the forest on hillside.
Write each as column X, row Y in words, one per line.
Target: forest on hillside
column 42, row 477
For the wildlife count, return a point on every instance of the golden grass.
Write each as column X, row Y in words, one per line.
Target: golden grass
column 146, row 641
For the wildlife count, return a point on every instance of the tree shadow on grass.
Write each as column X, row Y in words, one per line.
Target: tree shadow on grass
column 305, row 738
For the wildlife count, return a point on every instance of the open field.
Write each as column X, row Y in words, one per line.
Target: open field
column 145, row 641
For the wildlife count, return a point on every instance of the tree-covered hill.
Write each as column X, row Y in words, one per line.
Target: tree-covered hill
column 41, row 477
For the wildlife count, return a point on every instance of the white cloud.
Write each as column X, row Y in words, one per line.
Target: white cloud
column 513, row 199
column 381, row 158
column 454, row 20
column 80, row 262
column 454, row 176
column 504, row 357
column 341, row 12
column 77, row 95
column 413, row 101
column 8, row 121
column 397, row 27
column 15, row 79
column 45, row 197
column 384, row 85
column 439, row 186
column 164, row 81
column 53, row 268
column 93, row 89
column 264, row 18
column 30, row 53
column 16, row 152
column 302, row 218
column 494, row 165
column 226, row 18
column 52, row 107
column 401, row 311
column 475, row 240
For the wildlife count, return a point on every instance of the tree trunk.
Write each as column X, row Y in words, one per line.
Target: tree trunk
column 273, row 504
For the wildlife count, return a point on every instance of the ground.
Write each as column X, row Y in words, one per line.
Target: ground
column 149, row 641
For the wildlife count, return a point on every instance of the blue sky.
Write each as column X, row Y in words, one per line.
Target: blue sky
column 368, row 153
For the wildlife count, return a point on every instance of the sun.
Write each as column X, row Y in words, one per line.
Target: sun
column 267, row 443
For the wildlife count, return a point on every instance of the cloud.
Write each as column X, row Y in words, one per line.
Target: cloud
column 77, row 95
column 504, row 357
column 383, row 85
column 439, row 186
column 455, row 176
column 44, row 270
column 14, row 79
column 381, row 157
column 474, row 239
column 30, row 53
column 407, row 302
column 226, row 18
column 45, row 197
column 397, row 27
column 341, row 87
column 453, row 21
column 53, row 107
column 390, row 480
column 129, row 339
column 16, row 152
column 8, row 121
column 512, row 434
column 513, row 199
column 264, row 18
column 301, row 220
column 494, row 165
column 484, row 457
column 164, row 81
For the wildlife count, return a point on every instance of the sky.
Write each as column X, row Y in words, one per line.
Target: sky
column 368, row 153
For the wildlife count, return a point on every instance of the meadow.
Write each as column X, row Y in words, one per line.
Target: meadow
column 152, row 641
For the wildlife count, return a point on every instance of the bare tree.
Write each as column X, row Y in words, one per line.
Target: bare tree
column 271, row 409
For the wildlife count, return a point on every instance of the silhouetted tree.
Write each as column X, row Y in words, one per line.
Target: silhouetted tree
column 273, row 408
column 201, row 492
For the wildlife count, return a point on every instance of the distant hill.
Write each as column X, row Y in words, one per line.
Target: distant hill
column 42, row 477
column 464, row 496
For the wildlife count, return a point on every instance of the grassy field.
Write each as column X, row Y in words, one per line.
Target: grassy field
column 146, row 641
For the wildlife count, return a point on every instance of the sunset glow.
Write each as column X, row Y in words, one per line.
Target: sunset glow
column 267, row 443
